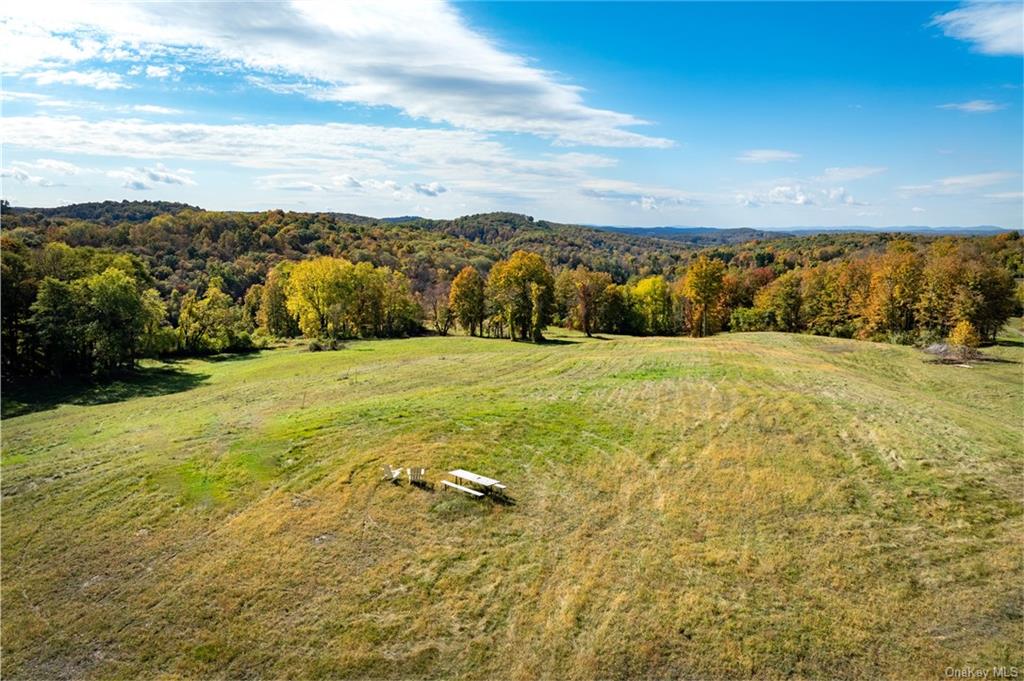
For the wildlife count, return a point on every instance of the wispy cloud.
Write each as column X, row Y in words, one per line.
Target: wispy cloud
column 850, row 173
column 62, row 167
column 959, row 184
column 767, row 156
column 645, row 197
column 140, row 179
column 974, row 106
column 798, row 195
column 154, row 109
column 995, row 28
column 470, row 162
column 421, row 58
column 24, row 177
column 100, row 80
column 1014, row 197
column 429, row 189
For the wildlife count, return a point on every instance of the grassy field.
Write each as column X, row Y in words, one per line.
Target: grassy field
column 747, row 505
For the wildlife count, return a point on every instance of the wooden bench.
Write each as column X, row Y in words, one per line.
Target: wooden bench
column 471, row 492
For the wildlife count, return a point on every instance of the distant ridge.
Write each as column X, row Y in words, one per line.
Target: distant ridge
column 741, row 234
column 952, row 230
column 704, row 236
column 111, row 212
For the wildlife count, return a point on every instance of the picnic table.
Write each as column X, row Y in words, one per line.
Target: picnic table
column 482, row 480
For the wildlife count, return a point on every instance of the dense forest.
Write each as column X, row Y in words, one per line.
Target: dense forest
column 91, row 288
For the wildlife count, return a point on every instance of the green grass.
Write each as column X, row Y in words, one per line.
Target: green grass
column 746, row 505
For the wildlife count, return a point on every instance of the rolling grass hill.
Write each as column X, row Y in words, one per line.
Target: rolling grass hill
column 751, row 504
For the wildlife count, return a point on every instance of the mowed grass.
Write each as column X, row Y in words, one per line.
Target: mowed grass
column 746, row 505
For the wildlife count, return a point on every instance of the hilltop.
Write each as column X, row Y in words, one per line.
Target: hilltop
column 182, row 245
column 746, row 505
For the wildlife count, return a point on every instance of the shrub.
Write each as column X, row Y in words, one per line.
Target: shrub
column 750, row 319
column 321, row 344
column 965, row 339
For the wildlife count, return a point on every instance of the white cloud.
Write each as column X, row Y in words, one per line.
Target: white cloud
column 793, row 195
column 429, row 189
column 797, row 195
column 645, row 197
column 850, row 174
column 154, row 109
column 974, row 106
column 158, row 71
column 917, row 209
column 30, row 43
column 767, row 156
column 346, row 181
column 100, row 80
column 62, row 167
column 289, row 183
column 1015, row 197
column 25, row 178
column 995, row 28
column 960, row 184
column 147, row 178
column 421, row 58
column 472, row 163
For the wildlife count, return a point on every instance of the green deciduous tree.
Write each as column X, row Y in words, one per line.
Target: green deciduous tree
column 522, row 290
column 274, row 317
column 781, row 301
column 467, row 300
column 211, row 323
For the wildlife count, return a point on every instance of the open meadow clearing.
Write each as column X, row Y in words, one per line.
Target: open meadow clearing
column 748, row 504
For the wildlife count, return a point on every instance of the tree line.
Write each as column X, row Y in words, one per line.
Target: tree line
column 70, row 308
column 82, row 311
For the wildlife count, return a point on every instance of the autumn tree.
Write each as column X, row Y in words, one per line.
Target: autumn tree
column 781, row 300
column 964, row 339
column 894, row 291
column 833, row 294
column 332, row 298
column 585, row 298
column 251, row 306
column 704, row 286
column 522, row 290
column 318, row 292
column 438, row 308
column 466, row 300
column 210, row 323
column 273, row 316
column 652, row 299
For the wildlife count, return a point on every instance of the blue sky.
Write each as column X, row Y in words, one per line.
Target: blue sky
column 722, row 114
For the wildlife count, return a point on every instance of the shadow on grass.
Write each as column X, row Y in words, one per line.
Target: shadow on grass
column 558, row 341
column 230, row 356
column 145, row 382
column 983, row 359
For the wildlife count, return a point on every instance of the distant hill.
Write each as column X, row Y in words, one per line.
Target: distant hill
column 712, row 236
column 953, row 230
column 110, row 212
column 702, row 236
